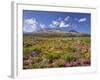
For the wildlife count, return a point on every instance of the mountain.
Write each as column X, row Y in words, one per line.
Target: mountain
column 57, row 32
column 64, row 29
column 73, row 31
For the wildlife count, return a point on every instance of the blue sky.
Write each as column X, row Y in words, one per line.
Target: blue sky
column 36, row 20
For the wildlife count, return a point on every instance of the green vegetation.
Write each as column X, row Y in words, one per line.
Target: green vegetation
column 49, row 52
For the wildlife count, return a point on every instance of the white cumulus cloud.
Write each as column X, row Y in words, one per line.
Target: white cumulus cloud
column 67, row 18
column 63, row 24
column 73, row 26
column 56, row 23
column 42, row 25
column 30, row 25
column 82, row 19
column 52, row 26
column 60, row 23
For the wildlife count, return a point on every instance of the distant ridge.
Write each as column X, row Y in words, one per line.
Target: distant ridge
column 73, row 31
column 64, row 29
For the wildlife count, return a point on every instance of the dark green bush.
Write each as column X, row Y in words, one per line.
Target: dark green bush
column 69, row 57
column 26, row 51
column 71, row 50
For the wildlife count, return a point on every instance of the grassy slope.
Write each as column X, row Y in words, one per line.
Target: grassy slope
column 56, row 51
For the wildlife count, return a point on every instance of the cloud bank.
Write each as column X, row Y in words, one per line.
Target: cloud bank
column 82, row 19
column 32, row 25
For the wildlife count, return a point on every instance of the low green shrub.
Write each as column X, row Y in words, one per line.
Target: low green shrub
column 38, row 65
column 87, row 55
column 26, row 51
column 36, row 59
column 55, row 54
column 58, row 63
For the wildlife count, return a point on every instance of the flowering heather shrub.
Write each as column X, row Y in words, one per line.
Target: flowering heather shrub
column 50, row 52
